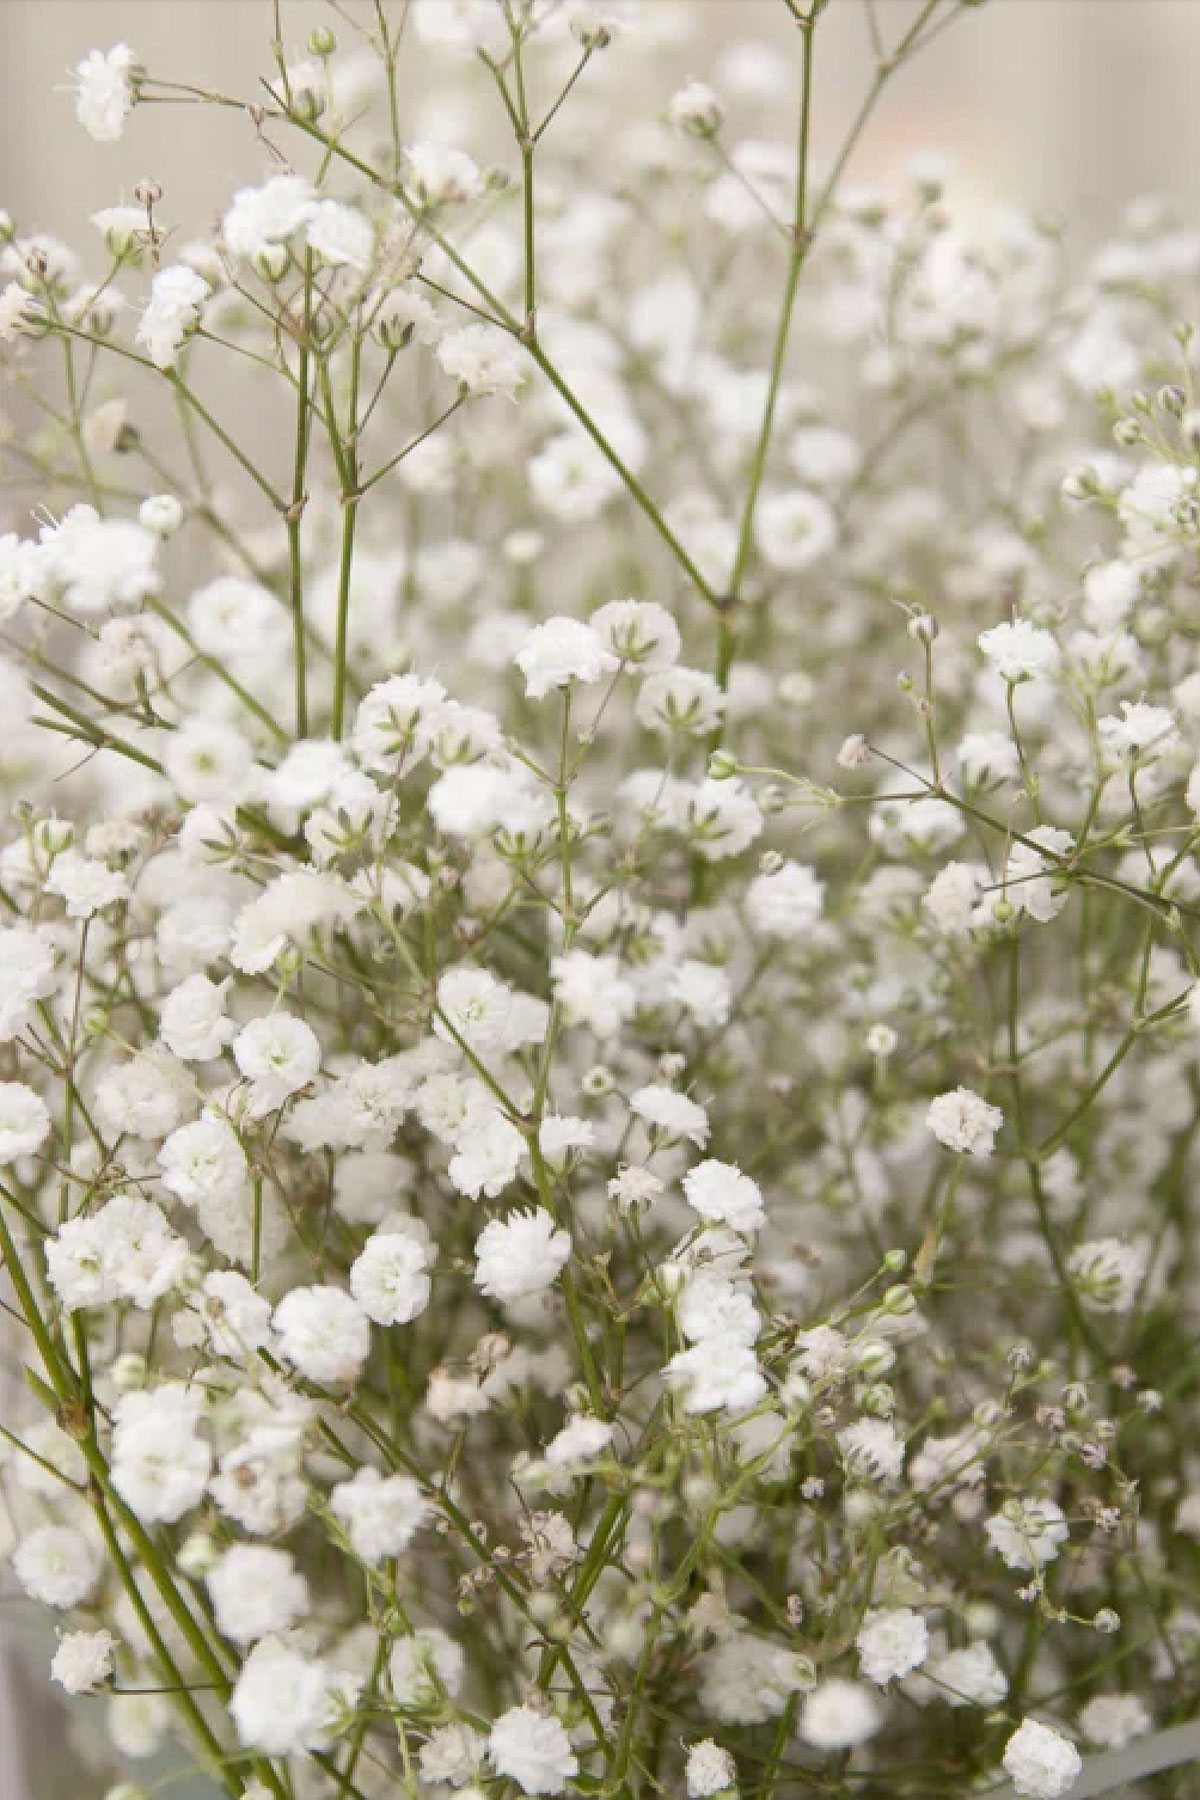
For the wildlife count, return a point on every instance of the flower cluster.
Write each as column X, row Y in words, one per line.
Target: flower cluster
column 599, row 993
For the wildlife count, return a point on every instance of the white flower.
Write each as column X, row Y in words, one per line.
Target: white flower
column 439, row 175
column 1114, row 1720
column 256, row 1590
column 839, row 1715
column 561, row 651
column 722, row 818
column 639, row 632
column 1028, row 1533
column 581, row 1440
column 290, row 910
column 787, row 903
column 483, row 360
column 532, row 1749
column 1020, row 651
column 721, row 1192
column 57, row 1565
column 872, row 1450
column 1042, row 1763
column 324, row 1333
column 105, row 92
column 382, row 1514
column 561, row 1138
column 203, row 1159
column 794, row 529
column 146, row 1097
column 20, row 312
column 24, row 1121
column 710, row 1306
column 86, row 884
column 970, row 1676
column 267, row 215
column 1109, row 1272
column 487, row 1155
column 160, row 1463
column 592, row 992
column 235, row 617
column 484, row 1013
column 425, row 1665
column 953, row 901
column 177, row 296
column 392, row 724
column 696, row 112
column 1140, row 735
column 677, row 699
column 450, row 1754
column 123, row 1251
column 280, row 1699
column 670, row 1113
column 340, row 235
column 1032, row 882
column 521, row 1254
column 962, row 1120
column 192, row 1022
column 100, row 564
column 891, row 1641
column 710, row 1770
column 161, row 514
column 226, row 1316
column 83, row 1661
column 278, row 1055
column 718, row 1374
column 389, row 1277
column 746, row 1679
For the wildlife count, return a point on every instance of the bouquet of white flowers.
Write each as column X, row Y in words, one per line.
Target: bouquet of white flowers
column 598, row 979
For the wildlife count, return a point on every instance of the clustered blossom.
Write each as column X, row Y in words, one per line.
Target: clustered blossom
column 600, row 988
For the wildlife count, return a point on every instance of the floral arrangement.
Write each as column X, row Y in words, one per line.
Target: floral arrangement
column 598, row 981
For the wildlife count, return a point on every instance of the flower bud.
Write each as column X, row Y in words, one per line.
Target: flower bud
column 197, row 1555
column 322, row 41
column 271, row 262
column 695, row 111
column 127, row 1372
column 722, row 766
column 51, row 835
column 162, row 514
column 922, row 628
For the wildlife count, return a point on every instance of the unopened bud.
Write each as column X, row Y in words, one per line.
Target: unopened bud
column 271, row 262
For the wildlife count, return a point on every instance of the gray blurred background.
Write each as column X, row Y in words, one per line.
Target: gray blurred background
column 1072, row 107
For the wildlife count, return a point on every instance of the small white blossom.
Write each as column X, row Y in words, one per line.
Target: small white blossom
column 1042, row 1763
column 532, row 1749
column 105, row 92
column 562, row 651
column 962, row 1120
column 83, row 1661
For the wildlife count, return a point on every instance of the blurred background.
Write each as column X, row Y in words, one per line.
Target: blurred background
column 1069, row 107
